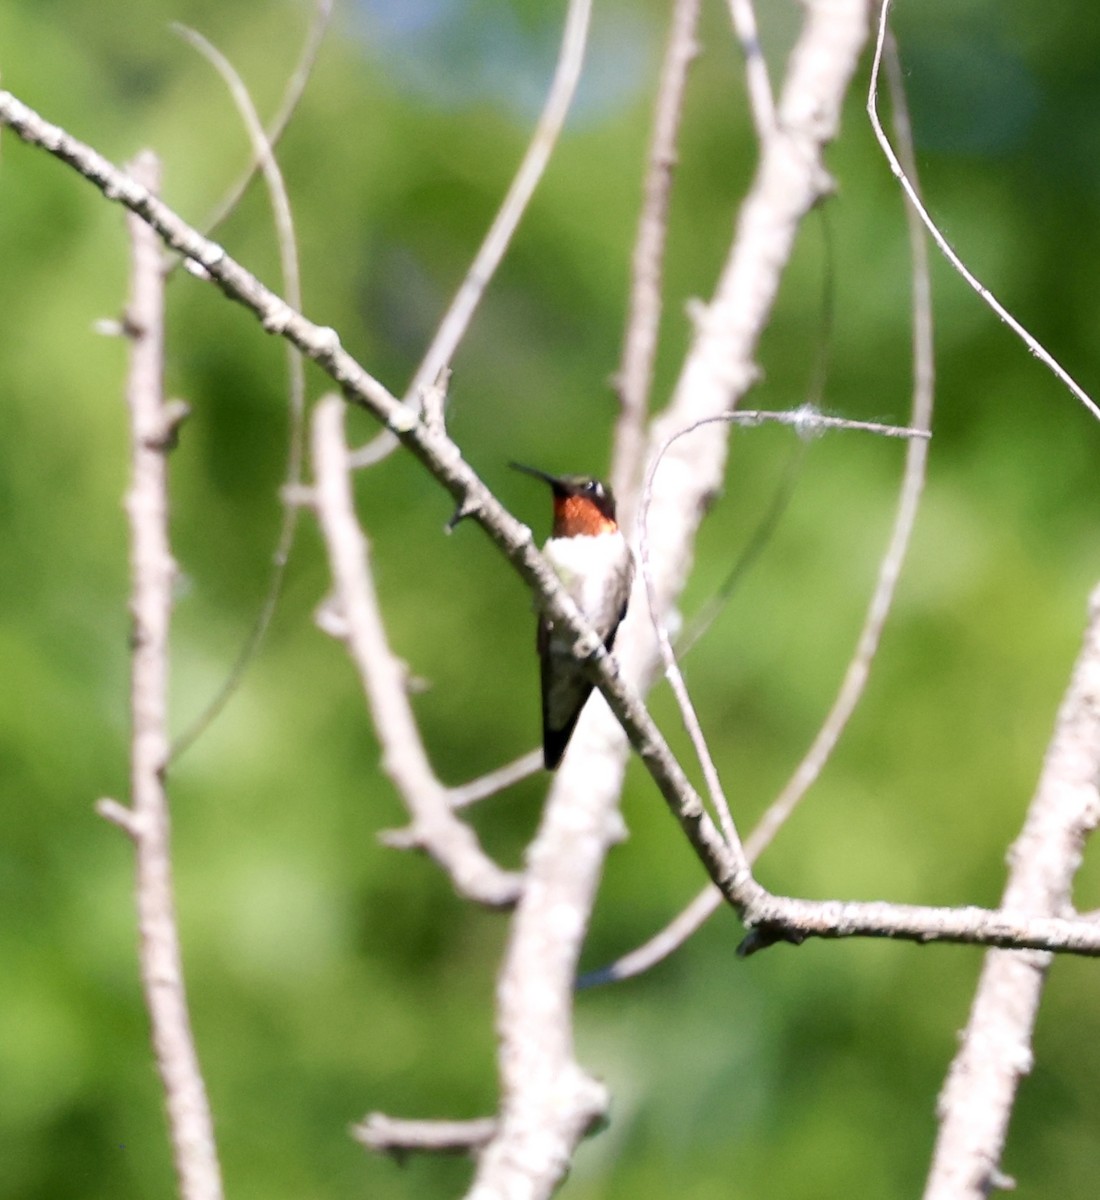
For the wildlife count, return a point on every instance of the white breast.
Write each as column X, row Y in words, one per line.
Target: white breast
column 593, row 570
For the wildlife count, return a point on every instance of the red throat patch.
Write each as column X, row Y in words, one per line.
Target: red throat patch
column 575, row 515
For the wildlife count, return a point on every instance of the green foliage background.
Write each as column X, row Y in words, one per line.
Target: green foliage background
column 329, row 976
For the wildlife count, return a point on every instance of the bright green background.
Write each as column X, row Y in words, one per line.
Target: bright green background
column 329, row 976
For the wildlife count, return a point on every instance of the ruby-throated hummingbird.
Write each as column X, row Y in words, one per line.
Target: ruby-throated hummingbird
column 593, row 561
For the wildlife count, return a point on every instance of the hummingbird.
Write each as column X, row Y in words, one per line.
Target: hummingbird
column 590, row 555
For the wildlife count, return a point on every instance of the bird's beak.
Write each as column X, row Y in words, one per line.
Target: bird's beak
column 552, row 480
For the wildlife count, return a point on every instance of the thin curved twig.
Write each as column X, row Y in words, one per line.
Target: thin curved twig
column 288, row 260
column 912, row 488
column 457, row 319
column 808, row 423
column 277, row 126
column 1034, row 346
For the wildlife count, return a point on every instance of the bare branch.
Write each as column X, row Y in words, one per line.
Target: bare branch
column 756, row 68
column 537, row 1136
column 153, row 571
column 784, row 919
column 400, row 1138
column 456, row 321
column 496, row 781
column 1034, row 347
column 706, row 903
column 434, row 450
column 643, row 323
column 435, row 828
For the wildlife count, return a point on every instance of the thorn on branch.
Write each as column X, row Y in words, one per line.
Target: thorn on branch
column 193, row 267
column 466, row 509
column 402, row 839
column 766, row 935
column 172, row 417
column 120, row 815
column 329, row 618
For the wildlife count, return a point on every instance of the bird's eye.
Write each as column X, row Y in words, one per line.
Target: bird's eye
column 593, row 488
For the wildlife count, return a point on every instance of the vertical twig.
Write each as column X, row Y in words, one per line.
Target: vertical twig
column 547, row 1099
column 153, row 426
column 643, row 323
column 761, row 101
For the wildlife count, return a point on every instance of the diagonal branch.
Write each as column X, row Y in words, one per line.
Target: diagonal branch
column 779, row 918
column 424, row 440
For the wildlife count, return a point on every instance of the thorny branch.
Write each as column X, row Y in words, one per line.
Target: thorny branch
column 153, row 424
column 354, row 616
column 725, row 864
column 430, row 446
